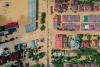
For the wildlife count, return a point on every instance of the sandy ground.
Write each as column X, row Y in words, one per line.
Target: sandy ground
column 18, row 11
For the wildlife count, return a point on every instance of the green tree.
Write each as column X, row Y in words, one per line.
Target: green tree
column 58, row 61
column 34, row 54
column 42, row 28
column 51, row 9
column 43, row 14
column 42, row 20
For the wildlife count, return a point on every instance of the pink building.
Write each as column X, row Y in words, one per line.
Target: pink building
column 59, row 38
column 85, row 43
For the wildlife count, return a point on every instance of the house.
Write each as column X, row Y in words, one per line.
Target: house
column 81, row 65
column 87, row 27
column 97, row 27
column 60, row 6
column 85, row 7
column 65, row 42
column 94, row 43
column 85, row 44
column 75, row 65
column 93, row 65
column 94, row 18
column 74, row 44
column 67, row 65
column 73, row 1
column 58, row 42
column 57, row 21
column 74, row 7
column 87, row 65
column 70, row 18
column 70, row 26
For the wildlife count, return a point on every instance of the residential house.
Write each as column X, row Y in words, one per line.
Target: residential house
column 87, row 65
column 65, row 42
column 71, row 26
column 87, row 27
column 97, row 27
column 70, row 18
column 57, row 21
column 85, row 7
column 60, row 6
column 81, row 65
column 94, row 43
column 75, row 65
column 59, row 41
column 93, row 65
column 85, row 44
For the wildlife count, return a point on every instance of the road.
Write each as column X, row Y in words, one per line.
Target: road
column 48, row 63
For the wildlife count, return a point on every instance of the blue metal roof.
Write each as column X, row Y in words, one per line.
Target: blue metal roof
column 33, row 44
column 32, row 10
column 30, row 27
column 32, row 16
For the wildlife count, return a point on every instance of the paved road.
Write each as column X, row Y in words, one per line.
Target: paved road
column 48, row 63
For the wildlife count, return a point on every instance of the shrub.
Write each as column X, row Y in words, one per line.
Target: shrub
column 42, row 27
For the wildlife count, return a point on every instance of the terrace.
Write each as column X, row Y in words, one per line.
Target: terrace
column 92, row 18
column 87, row 27
column 63, row 22
column 66, row 42
column 76, row 5
column 85, row 7
column 71, row 18
column 57, row 21
column 71, row 26
column 90, row 27
column 75, row 41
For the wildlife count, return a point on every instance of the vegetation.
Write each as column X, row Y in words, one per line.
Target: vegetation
column 42, row 27
column 58, row 63
column 58, row 60
column 42, row 21
column 38, row 65
column 51, row 9
column 75, row 11
column 1, row 16
column 91, row 2
column 43, row 16
column 34, row 54
column 91, row 56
